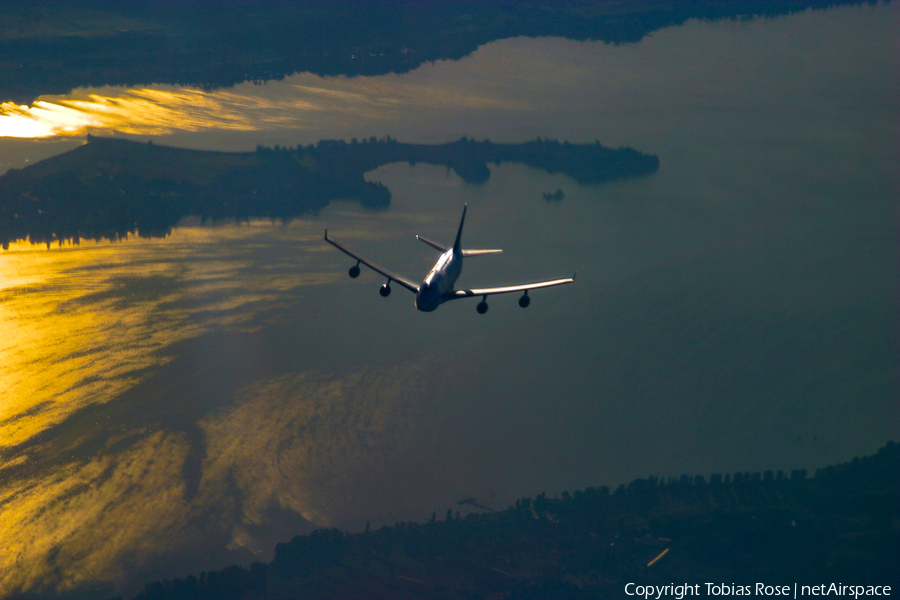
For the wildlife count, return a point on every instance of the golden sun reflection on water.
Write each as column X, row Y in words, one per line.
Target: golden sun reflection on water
column 299, row 442
column 80, row 323
column 303, row 455
column 84, row 515
column 297, row 102
column 144, row 111
column 59, row 325
column 87, row 323
column 139, row 111
column 83, row 325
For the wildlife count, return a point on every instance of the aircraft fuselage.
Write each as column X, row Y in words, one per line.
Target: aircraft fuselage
column 439, row 281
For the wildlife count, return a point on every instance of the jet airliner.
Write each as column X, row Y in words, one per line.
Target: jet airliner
column 437, row 286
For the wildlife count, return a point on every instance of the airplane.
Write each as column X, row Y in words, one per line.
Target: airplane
column 437, row 286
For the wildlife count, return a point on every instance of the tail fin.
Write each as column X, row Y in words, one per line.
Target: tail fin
column 457, row 248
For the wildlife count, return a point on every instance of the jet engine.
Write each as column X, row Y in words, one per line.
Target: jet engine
column 482, row 307
column 385, row 290
column 354, row 271
column 524, row 301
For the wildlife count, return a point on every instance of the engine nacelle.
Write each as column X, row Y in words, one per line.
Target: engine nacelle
column 524, row 301
column 385, row 290
column 354, row 271
column 482, row 307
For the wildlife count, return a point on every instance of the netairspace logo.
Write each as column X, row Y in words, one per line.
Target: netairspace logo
column 679, row 592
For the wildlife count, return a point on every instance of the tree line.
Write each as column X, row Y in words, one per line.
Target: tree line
column 112, row 188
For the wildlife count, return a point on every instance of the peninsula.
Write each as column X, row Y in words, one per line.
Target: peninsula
column 109, row 188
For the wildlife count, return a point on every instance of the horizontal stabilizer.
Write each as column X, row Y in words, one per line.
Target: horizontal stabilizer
column 434, row 245
column 465, row 252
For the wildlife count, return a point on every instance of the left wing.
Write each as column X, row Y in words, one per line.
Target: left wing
column 455, row 294
column 391, row 276
column 434, row 245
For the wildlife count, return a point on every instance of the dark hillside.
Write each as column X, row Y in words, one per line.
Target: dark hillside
column 54, row 46
column 843, row 525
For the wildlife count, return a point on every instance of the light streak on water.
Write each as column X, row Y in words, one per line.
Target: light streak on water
column 301, row 101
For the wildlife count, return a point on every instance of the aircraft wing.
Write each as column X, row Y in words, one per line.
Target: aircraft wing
column 455, row 294
column 391, row 276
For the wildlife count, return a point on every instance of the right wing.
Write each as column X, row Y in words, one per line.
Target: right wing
column 455, row 294
column 391, row 276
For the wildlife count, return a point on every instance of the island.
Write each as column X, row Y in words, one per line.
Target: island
column 110, row 188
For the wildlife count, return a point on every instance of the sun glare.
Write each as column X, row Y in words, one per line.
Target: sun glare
column 293, row 103
column 144, row 111
column 19, row 121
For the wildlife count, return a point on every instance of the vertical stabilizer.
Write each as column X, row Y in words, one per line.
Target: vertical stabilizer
column 457, row 249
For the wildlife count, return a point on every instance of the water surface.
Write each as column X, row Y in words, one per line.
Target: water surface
column 208, row 394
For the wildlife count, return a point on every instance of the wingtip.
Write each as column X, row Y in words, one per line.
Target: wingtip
column 326, row 233
column 574, row 275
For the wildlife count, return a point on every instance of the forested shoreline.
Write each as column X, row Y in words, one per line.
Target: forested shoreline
column 111, row 188
column 55, row 46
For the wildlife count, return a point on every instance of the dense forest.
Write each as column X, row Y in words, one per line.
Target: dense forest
column 842, row 525
column 110, row 188
column 54, row 46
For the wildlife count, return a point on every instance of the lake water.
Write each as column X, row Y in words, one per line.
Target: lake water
column 179, row 404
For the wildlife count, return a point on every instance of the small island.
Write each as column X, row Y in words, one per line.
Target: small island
column 556, row 196
column 110, row 188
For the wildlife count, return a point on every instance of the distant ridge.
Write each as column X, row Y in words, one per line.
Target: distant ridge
column 54, row 46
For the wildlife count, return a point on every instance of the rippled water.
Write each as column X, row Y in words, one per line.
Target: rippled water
column 173, row 405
